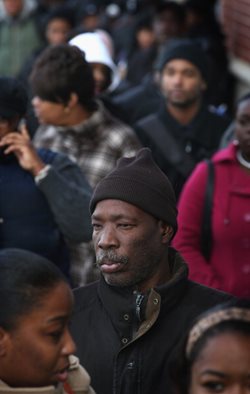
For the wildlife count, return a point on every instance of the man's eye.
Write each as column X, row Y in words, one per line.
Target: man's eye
column 169, row 73
column 96, row 226
column 189, row 74
column 243, row 122
column 216, row 387
column 125, row 225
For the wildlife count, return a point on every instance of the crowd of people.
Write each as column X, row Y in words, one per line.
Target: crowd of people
column 125, row 200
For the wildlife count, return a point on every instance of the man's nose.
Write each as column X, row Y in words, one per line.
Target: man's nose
column 177, row 79
column 107, row 238
column 239, row 389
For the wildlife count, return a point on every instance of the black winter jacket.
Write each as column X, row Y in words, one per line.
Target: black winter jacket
column 176, row 148
column 125, row 340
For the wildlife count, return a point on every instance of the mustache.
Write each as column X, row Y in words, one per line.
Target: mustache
column 110, row 256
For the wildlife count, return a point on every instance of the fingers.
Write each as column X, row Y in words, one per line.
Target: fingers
column 14, row 147
column 18, row 143
column 14, row 137
column 24, row 131
column 25, row 153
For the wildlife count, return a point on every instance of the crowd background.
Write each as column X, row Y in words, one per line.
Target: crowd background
column 137, row 30
column 126, row 45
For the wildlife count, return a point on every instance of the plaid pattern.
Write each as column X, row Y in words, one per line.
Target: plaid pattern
column 96, row 145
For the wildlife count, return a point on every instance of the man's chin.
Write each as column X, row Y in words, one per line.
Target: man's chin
column 118, row 280
column 181, row 103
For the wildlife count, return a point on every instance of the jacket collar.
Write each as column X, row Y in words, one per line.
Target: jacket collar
column 227, row 154
column 192, row 129
column 121, row 303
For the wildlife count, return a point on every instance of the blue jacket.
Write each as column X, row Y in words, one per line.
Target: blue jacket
column 27, row 217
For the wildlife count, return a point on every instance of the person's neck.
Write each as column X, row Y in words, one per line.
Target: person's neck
column 184, row 115
column 160, row 277
column 77, row 116
column 244, row 160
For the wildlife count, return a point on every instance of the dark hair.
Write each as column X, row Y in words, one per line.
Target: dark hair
column 240, row 100
column 175, row 8
column 61, row 12
column 181, row 365
column 61, row 70
column 25, row 278
column 13, row 98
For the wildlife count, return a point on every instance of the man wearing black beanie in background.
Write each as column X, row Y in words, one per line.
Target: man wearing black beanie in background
column 183, row 131
column 127, row 325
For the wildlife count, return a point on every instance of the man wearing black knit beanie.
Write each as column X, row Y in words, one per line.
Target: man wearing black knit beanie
column 184, row 130
column 127, row 324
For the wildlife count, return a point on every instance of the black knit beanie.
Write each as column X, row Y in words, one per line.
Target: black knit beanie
column 185, row 49
column 139, row 181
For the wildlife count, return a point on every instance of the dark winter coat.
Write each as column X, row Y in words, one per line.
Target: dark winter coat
column 177, row 148
column 125, row 340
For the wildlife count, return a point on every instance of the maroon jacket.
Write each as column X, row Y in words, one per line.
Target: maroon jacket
column 228, row 268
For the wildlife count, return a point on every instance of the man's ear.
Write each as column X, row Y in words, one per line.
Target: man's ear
column 166, row 232
column 4, row 341
column 73, row 100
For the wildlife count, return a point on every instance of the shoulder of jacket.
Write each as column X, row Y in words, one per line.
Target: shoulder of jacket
column 147, row 120
column 84, row 295
column 221, row 121
column 207, row 296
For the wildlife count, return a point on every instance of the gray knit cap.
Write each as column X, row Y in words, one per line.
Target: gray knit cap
column 139, row 181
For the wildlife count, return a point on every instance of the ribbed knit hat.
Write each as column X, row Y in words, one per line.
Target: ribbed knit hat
column 185, row 49
column 139, row 181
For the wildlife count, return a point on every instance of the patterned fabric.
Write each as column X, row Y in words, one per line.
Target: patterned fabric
column 233, row 313
column 96, row 144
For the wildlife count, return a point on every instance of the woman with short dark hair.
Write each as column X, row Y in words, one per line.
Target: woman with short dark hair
column 44, row 196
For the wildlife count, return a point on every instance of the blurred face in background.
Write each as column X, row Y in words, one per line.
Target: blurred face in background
column 242, row 127
column 13, row 7
column 49, row 112
column 57, row 31
column 102, row 77
column 167, row 26
column 182, row 83
column 145, row 37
